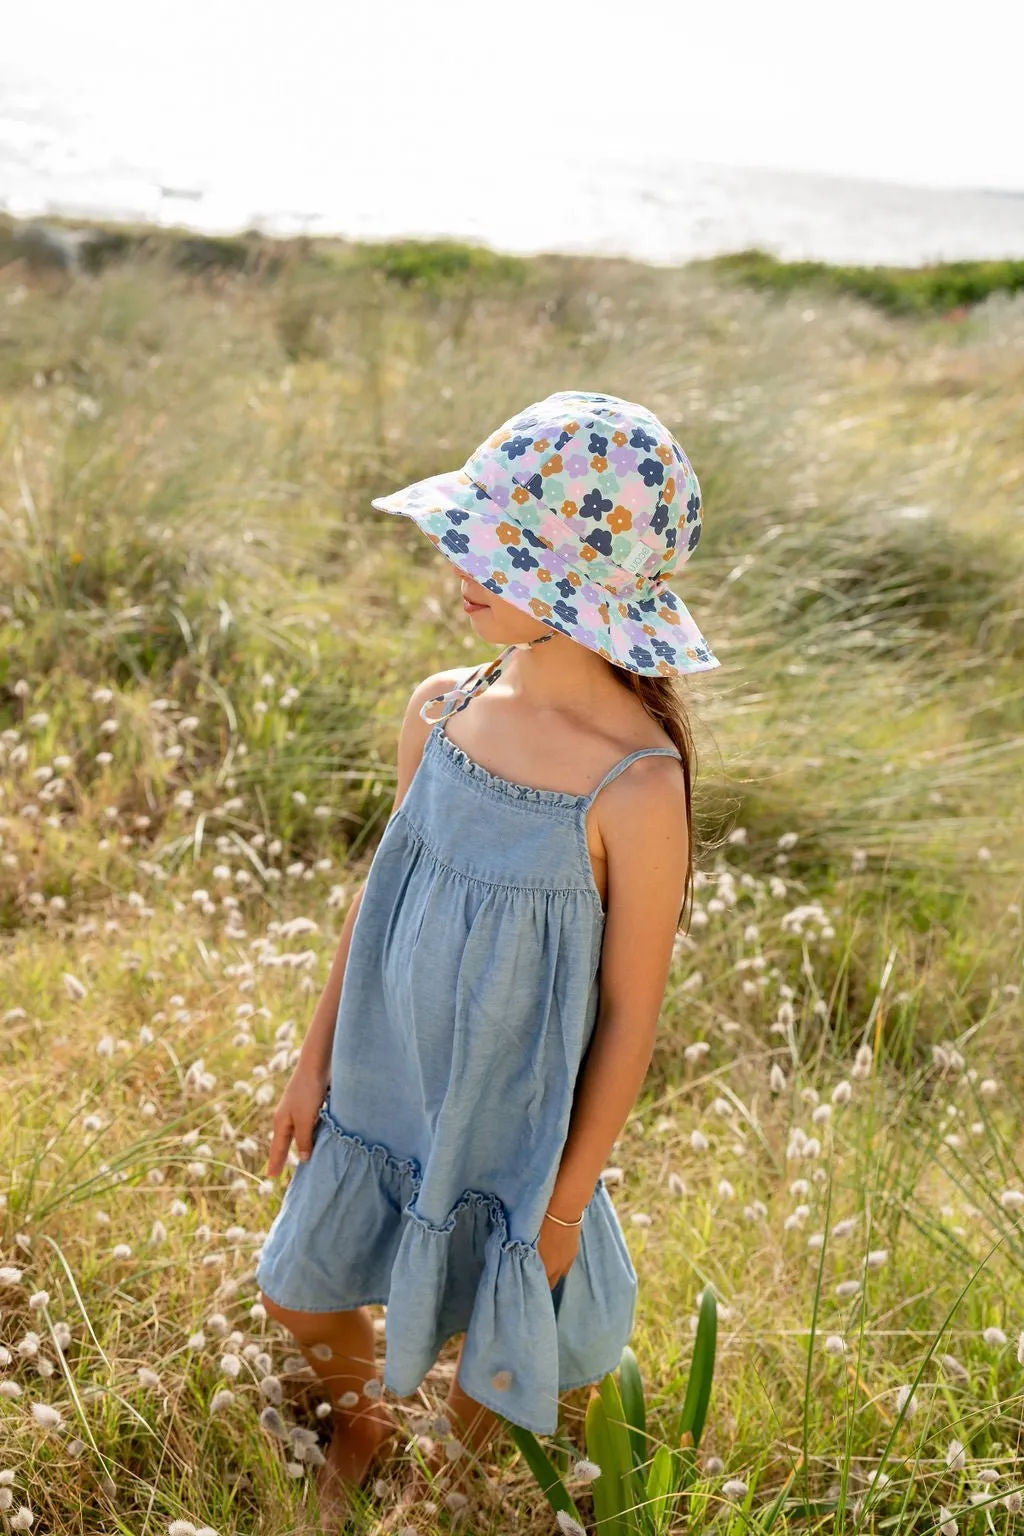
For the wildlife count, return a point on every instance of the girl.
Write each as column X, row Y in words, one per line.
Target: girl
column 490, row 1015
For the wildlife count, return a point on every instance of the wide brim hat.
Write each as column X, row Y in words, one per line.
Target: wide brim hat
column 573, row 510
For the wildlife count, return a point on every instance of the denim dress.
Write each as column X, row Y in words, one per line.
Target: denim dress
column 469, row 999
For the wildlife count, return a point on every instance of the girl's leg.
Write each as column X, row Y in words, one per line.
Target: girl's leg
column 341, row 1349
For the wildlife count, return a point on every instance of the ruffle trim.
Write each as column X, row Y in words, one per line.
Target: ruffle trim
column 466, row 764
column 323, row 1254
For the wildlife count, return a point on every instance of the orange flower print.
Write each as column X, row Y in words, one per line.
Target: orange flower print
column 520, row 494
column 572, row 426
column 542, row 444
column 664, row 669
column 664, row 454
column 599, row 464
column 619, row 520
column 602, row 609
column 500, row 578
column 623, row 610
column 542, row 574
column 541, row 609
column 552, row 466
column 574, row 579
column 620, row 439
column 569, row 509
column 668, row 615
column 508, row 533
column 588, row 552
column 669, row 491
column 649, row 629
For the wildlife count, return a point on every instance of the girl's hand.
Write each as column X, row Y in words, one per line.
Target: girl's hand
column 296, row 1117
column 558, row 1247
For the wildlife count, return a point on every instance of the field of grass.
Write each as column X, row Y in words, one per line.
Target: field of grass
column 207, row 638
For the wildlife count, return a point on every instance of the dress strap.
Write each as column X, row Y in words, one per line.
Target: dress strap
column 613, row 773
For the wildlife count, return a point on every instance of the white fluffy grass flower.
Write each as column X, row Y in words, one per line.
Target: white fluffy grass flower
column 46, row 1416
column 586, row 1471
column 735, row 1488
column 567, row 1525
column 956, row 1456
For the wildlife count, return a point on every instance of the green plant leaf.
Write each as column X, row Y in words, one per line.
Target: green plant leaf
column 607, row 1489
column 544, row 1470
column 661, row 1488
column 632, row 1388
column 702, row 1370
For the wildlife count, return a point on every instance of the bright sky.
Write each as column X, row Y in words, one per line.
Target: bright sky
column 892, row 89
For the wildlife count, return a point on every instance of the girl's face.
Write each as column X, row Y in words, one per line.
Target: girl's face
column 495, row 620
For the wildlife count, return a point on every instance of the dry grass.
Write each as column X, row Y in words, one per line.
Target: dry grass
column 206, row 641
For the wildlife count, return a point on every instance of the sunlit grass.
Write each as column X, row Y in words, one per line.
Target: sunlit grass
column 206, row 642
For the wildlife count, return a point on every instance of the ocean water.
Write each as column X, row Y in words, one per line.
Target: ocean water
column 60, row 153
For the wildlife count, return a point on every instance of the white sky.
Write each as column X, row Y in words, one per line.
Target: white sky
column 882, row 88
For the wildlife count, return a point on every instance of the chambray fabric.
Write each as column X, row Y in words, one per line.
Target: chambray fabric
column 469, row 1000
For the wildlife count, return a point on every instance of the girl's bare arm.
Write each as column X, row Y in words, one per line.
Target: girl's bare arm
column 643, row 827
column 300, row 1103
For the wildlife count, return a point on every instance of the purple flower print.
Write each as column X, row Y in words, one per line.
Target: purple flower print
column 477, row 566
column 518, row 589
column 592, row 594
column 576, row 465
column 499, row 494
column 623, row 461
column 633, row 631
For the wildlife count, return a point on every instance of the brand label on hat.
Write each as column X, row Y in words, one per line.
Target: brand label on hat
column 638, row 557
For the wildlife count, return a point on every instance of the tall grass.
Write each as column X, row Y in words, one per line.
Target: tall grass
column 207, row 638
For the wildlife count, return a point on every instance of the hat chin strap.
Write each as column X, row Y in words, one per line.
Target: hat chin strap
column 489, row 675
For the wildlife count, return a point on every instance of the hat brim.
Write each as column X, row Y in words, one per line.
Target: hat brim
column 653, row 635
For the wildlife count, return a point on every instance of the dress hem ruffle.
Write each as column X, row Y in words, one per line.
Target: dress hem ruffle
column 510, row 1298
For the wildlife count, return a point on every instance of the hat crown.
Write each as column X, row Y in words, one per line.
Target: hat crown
column 607, row 468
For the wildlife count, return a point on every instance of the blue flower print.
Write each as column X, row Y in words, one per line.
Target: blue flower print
column 534, row 484
column 533, row 538
column 594, row 504
column 566, row 611
column 680, row 459
column 566, row 588
column 456, row 515
column 458, row 543
column 493, row 586
column 647, row 606
column 694, row 537
column 600, row 539
column 692, row 507
column 598, row 444
column 652, row 470
column 659, row 518
column 642, row 440
column 481, row 494
column 663, row 649
column 521, row 558
column 516, row 446
column 642, row 657
column 561, row 440
column 670, row 538
column 703, row 654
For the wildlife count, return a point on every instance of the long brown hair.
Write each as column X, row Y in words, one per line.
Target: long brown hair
column 662, row 702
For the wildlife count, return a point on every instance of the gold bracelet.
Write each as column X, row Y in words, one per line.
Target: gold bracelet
column 562, row 1223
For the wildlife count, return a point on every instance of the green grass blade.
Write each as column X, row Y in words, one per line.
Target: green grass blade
column 544, row 1470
